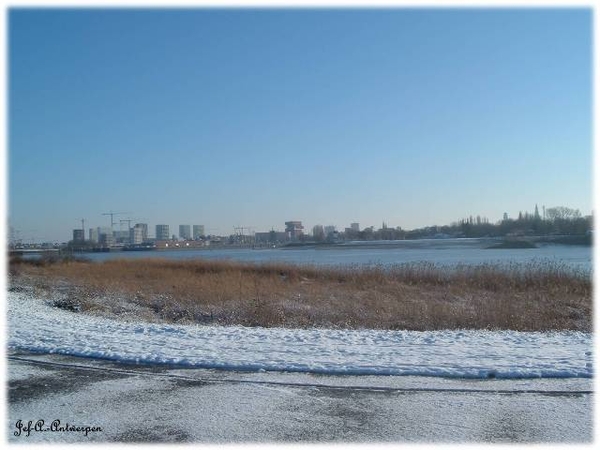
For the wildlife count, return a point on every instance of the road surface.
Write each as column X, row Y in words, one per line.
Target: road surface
column 101, row 401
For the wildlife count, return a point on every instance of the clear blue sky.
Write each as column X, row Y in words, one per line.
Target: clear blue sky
column 255, row 117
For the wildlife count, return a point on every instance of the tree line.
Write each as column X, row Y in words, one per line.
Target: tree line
column 556, row 221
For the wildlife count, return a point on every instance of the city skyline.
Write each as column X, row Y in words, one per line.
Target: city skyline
column 229, row 118
column 194, row 232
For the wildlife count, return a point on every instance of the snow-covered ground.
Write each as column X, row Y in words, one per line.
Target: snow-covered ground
column 36, row 326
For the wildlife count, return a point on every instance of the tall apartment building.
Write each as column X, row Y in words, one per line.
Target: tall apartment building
column 136, row 234
column 355, row 227
column 197, row 231
column 144, row 228
column 184, row 232
column 94, row 235
column 162, row 232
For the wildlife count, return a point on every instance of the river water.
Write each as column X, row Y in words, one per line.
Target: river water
column 446, row 252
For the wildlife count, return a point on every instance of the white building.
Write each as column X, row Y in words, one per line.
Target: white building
column 136, row 235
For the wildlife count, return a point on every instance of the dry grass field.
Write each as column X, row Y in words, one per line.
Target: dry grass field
column 534, row 297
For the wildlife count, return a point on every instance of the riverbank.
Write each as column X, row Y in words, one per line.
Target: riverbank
column 527, row 297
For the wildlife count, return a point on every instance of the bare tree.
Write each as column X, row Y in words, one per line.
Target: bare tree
column 562, row 212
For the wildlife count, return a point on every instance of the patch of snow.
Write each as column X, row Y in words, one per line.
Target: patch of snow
column 36, row 326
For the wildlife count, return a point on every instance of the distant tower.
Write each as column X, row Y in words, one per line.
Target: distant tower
column 197, row 231
column 162, row 232
column 184, row 232
column 136, row 234
column 505, row 216
column 144, row 228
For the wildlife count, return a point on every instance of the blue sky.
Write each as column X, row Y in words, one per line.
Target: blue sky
column 254, row 117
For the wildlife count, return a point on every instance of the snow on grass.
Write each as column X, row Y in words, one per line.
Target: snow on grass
column 36, row 326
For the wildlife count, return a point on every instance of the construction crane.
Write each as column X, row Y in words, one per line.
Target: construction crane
column 128, row 222
column 112, row 214
column 239, row 231
column 131, row 219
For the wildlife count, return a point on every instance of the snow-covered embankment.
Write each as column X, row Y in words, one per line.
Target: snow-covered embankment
column 36, row 326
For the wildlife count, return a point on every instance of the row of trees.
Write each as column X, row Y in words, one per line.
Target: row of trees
column 559, row 220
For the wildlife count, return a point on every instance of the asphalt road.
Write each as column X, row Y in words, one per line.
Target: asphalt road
column 100, row 401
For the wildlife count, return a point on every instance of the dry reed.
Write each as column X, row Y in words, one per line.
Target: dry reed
column 423, row 296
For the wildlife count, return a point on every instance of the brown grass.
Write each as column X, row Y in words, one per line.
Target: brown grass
column 531, row 297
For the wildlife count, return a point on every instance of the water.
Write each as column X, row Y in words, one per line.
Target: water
column 447, row 252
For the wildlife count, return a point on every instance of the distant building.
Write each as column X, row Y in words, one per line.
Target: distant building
column 104, row 230
column 294, row 229
column 184, row 232
column 318, row 233
column 94, row 235
column 78, row 235
column 162, row 232
column 197, row 231
column 106, row 237
column 121, row 236
column 355, row 227
column 329, row 229
column 144, row 228
column 270, row 237
column 136, row 235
